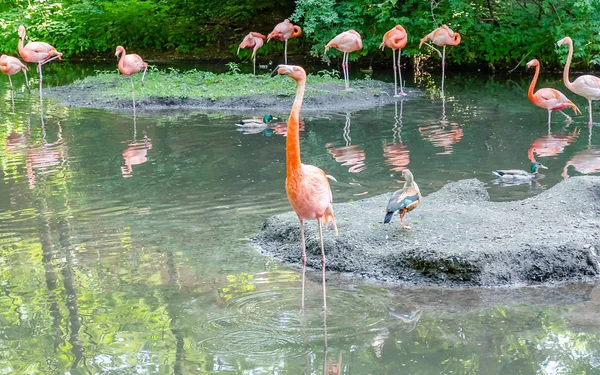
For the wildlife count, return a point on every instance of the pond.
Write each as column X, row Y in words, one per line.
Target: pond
column 125, row 245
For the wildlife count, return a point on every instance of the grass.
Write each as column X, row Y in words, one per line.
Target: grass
column 199, row 84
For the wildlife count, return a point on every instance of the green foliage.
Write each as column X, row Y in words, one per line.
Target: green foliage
column 234, row 68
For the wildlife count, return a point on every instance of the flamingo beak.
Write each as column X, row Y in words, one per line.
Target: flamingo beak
column 281, row 69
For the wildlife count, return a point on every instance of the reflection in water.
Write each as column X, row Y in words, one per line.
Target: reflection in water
column 551, row 145
column 443, row 133
column 407, row 314
column 135, row 154
column 586, row 161
column 349, row 155
column 396, row 154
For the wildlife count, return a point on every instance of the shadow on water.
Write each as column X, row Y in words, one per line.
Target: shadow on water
column 153, row 273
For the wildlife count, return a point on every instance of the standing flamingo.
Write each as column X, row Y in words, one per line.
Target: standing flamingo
column 550, row 99
column 255, row 41
column 306, row 186
column 587, row 86
column 11, row 65
column 129, row 65
column 346, row 42
column 396, row 39
column 284, row 31
column 442, row 36
column 37, row 52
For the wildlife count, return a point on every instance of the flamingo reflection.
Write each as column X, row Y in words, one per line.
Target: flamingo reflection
column 551, row 145
column 349, row 155
column 280, row 128
column 586, row 161
column 445, row 134
column 396, row 154
column 136, row 153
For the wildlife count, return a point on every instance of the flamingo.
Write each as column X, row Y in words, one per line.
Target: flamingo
column 255, row 41
column 346, row 42
column 396, row 39
column 442, row 36
column 129, row 65
column 587, row 86
column 37, row 52
column 11, row 65
column 306, row 186
column 550, row 99
column 284, row 31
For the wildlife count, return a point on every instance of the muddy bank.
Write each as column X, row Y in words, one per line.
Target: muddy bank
column 458, row 238
column 329, row 98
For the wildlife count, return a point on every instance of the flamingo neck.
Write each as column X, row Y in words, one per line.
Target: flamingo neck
column 567, row 65
column 533, row 82
column 20, row 47
column 292, row 143
column 122, row 59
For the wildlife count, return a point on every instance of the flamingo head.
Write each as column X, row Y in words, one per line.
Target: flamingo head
column 22, row 32
column 536, row 166
column 563, row 41
column 533, row 62
column 119, row 51
column 294, row 71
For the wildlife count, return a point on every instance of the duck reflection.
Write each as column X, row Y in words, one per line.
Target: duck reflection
column 443, row 134
column 408, row 315
column 136, row 153
column 586, row 161
column 349, row 155
column 396, row 154
column 551, row 145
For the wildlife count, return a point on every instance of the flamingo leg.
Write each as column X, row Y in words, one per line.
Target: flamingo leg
column 26, row 81
column 567, row 116
column 50, row 59
column 285, row 52
column 40, row 71
column 132, row 95
column 303, row 260
column 143, row 74
column 402, row 93
column 347, row 75
column 590, row 122
column 10, row 82
column 323, row 262
column 549, row 117
column 443, row 67
column 395, row 68
column 435, row 49
column 254, row 61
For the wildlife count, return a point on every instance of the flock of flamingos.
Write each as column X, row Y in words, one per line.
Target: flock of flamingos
column 307, row 186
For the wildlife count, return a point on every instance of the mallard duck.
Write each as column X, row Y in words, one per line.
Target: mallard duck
column 404, row 200
column 519, row 174
column 255, row 122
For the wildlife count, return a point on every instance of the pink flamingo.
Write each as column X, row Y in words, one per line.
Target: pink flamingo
column 346, row 42
column 550, row 99
column 255, row 41
column 129, row 65
column 587, row 86
column 306, row 186
column 284, row 31
column 11, row 65
column 551, row 145
column 442, row 36
column 37, row 52
column 395, row 39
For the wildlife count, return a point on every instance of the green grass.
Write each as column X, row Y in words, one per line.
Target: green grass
column 199, row 84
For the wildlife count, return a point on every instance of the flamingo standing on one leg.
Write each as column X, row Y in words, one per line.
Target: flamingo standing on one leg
column 253, row 40
column 37, row 52
column 442, row 36
column 587, row 86
column 11, row 65
column 346, row 42
column 284, row 31
column 396, row 39
column 129, row 65
column 550, row 99
column 306, row 185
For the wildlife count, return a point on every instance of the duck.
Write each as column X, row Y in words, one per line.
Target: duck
column 404, row 200
column 519, row 174
column 367, row 70
column 255, row 122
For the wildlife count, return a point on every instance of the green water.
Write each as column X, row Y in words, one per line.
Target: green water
column 125, row 247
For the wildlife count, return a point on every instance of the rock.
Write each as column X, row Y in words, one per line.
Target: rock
column 458, row 237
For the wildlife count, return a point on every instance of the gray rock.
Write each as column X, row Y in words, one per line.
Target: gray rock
column 458, row 237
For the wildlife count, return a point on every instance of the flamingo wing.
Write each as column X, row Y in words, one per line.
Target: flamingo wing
column 587, row 86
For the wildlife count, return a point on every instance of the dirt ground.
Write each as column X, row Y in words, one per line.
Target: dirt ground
column 458, row 238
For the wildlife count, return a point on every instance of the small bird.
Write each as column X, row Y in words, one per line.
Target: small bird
column 11, row 65
column 37, row 52
column 519, row 174
column 442, row 36
column 587, row 86
column 404, row 200
column 307, row 186
column 346, row 42
column 255, row 122
column 129, row 65
column 395, row 39
column 255, row 41
column 550, row 99
column 284, row 31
